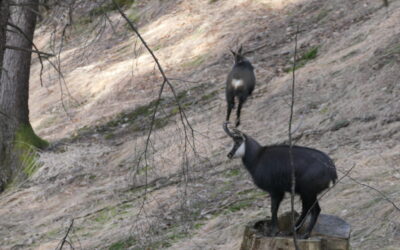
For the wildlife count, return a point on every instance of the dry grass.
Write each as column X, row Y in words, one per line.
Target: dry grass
column 96, row 179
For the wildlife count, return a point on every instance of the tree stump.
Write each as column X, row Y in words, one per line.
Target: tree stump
column 330, row 233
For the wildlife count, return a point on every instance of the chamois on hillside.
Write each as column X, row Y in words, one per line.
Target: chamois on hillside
column 270, row 168
column 240, row 83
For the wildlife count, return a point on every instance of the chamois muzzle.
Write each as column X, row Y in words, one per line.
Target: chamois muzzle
column 233, row 151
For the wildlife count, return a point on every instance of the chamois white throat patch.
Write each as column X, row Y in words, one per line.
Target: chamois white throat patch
column 237, row 83
column 240, row 151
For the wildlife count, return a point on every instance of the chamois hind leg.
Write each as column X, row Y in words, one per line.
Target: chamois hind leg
column 311, row 204
column 230, row 104
column 301, row 219
column 316, row 210
column 238, row 113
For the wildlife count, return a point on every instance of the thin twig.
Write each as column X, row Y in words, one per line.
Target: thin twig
column 61, row 78
column 66, row 235
column 183, row 80
column 184, row 119
column 28, row 50
column 34, row 46
column 293, row 175
column 166, row 79
column 323, row 194
column 376, row 190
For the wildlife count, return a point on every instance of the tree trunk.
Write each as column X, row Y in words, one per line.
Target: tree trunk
column 16, row 133
column 4, row 12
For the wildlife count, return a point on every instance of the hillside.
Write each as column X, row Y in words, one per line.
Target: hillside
column 184, row 193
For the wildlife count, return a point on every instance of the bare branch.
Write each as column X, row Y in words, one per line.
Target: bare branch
column 184, row 119
column 61, row 78
column 34, row 45
column 166, row 80
column 329, row 189
column 376, row 190
column 29, row 50
column 293, row 176
column 64, row 240
column 183, row 80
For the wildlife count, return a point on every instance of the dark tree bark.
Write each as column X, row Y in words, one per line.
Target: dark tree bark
column 3, row 21
column 16, row 133
column 4, row 13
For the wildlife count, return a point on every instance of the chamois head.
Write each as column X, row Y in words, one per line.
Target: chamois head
column 238, row 55
column 239, row 139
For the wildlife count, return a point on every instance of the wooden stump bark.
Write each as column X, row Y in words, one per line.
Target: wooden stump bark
column 330, row 233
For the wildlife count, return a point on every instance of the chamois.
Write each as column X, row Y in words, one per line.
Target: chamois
column 270, row 168
column 240, row 83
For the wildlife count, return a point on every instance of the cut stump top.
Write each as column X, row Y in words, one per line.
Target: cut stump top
column 329, row 233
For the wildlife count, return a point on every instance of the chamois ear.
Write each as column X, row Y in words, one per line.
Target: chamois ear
column 240, row 50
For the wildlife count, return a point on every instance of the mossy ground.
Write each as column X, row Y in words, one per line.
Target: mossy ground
column 27, row 143
column 26, row 136
column 123, row 244
column 304, row 59
column 140, row 118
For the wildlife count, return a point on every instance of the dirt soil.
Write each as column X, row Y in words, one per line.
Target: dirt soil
column 184, row 193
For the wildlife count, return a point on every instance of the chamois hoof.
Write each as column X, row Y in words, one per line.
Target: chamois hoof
column 237, row 124
column 303, row 236
column 285, row 234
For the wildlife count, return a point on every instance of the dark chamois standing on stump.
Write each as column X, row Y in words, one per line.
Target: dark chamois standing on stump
column 270, row 168
column 240, row 84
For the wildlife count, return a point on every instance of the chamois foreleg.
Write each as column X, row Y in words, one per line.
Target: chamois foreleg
column 276, row 199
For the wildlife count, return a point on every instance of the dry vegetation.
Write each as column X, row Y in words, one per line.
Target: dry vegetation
column 347, row 104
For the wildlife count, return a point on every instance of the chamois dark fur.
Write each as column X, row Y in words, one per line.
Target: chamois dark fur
column 240, row 84
column 270, row 168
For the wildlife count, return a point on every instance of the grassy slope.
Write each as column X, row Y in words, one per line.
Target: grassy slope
column 347, row 105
